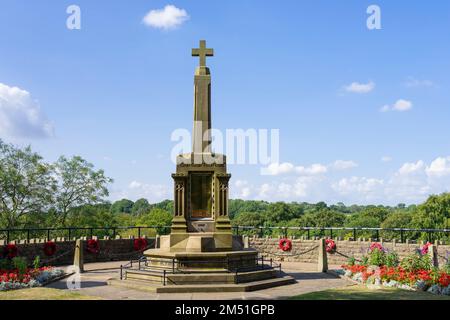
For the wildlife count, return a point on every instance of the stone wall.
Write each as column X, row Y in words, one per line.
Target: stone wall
column 110, row 250
column 307, row 250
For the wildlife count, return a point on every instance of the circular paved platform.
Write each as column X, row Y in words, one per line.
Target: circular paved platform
column 94, row 283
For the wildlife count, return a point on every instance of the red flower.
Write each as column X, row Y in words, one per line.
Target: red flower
column 285, row 245
column 330, row 246
column 140, row 244
column 93, row 246
column 424, row 249
column 49, row 248
column 376, row 246
column 10, row 251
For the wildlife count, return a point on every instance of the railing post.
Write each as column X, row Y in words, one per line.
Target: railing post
column 91, row 232
column 164, row 277
column 354, row 234
column 139, row 232
column 173, row 265
column 262, row 262
column 121, row 273
column 70, row 233
column 331, row 233
column 114, row 233
column 401, row 236
column 7, row 236
column 28, row 235
column 308, row 234
column 271, row 262
column 378, row 235
column 48, row 234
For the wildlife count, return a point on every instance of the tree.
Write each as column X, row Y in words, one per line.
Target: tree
column 122, row 206
column 79, row 184
column 156, row 218
column 140, row 207
column 26, row 184
column 434, row 213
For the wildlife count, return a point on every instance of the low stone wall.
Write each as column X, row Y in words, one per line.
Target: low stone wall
column 307, row 250
column 110, row 250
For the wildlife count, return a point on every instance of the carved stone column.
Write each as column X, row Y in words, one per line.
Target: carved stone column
column 179, row 205
column 223, row 221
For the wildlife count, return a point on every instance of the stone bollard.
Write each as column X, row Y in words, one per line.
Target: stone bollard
column 432, row 252
column 78, row 260
column 322, row 265
column 245, row 242
column 157, row 241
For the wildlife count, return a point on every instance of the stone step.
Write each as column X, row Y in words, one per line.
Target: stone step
column 242, row 287
column 201, row 278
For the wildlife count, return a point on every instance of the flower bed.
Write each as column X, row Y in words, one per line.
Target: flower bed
column 380, row 268
column 13, row 279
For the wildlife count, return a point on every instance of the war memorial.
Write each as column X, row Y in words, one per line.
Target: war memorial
column 201, row 254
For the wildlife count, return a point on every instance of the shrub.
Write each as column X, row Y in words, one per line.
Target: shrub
column 416, row 262
column 20, row 264
column 351, row 261
column 377, row 257
column 391, row 259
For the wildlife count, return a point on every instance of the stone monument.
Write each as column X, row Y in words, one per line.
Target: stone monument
column 201, row 253
column 200, row 222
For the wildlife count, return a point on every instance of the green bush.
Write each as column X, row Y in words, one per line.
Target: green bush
column 391, row 259
column 416, row 262
column 20, row 264
column 377, row 257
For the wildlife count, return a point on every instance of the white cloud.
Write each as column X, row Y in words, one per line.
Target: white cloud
column 168, row 18
column 358, row 186
column 439, row 167
column 357, row 87
column 314, row 169
column 410, row 168
column 386, row 159
column 412, row 82
column 401, row 105
column 344, row 164
column 136, row 190
column 276, row 169
column 21, row 116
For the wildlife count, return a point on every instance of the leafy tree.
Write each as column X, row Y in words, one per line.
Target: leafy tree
column 26, row 184
column 92, row 216
column 122, row 206
column 166, row 205
column 140, row 207
column 253, row 219
column 79, row 184
column 156, row 217
column 434, row 213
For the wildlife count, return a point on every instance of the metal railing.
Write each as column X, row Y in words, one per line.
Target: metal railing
column 89, row 232
column 351, row 233
column 172, row 266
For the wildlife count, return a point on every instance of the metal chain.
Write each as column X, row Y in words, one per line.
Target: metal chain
column 55, row 258
column 346, row 256
column 291, row 255
column 127, row 253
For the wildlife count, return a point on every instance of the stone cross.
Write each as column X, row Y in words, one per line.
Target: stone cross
column 202, row 52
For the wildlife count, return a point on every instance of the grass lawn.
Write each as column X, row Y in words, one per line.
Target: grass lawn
column 358, row 292
column 43, row 294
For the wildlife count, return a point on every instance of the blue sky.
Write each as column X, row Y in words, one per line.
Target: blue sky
column 114, row 91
